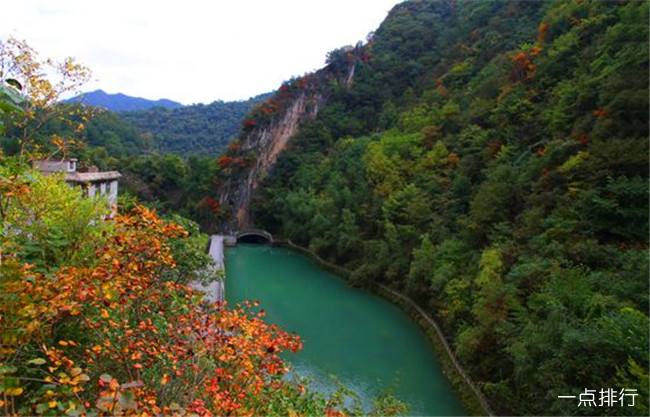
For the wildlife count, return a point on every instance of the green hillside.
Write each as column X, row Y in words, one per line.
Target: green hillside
column 491, row 161
column 202, row 129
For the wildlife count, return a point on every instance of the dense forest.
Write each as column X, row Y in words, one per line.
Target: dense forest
column 490, row 160
column 201, row 129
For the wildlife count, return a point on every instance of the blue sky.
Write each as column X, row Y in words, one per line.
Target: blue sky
column 192, row 51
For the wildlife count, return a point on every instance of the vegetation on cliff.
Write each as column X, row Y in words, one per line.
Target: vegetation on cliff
column 490, row 159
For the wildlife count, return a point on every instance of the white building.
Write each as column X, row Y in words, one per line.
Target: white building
column 95, row 183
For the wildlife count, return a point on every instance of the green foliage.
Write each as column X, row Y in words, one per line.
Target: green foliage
column 491, row 160
column 197, row 129
column 9, row 99
column 54, row 226
column 172, row 184
column 190, row 252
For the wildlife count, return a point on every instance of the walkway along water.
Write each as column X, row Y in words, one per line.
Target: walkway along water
column 479, row 395
column 215, row 290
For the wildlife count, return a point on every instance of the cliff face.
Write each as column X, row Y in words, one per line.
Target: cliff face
column 266, row 142
column 269, row 129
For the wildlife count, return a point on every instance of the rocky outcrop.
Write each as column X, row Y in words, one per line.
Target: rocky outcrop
column 267, row 142
column 280, row 118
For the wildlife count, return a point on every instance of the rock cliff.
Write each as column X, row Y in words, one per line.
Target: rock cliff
column 269, row 129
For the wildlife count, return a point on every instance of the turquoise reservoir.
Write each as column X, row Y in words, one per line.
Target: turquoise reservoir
column 368, row 344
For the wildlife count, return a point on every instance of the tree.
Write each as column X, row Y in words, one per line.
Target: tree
column 31, row 77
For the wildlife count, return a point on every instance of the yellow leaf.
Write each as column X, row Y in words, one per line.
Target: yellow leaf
column 14, row 392
column 52, row 404
column 63, row 343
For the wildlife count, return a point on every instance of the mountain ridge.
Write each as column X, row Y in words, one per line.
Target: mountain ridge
column 121, row 101
column 197, row 128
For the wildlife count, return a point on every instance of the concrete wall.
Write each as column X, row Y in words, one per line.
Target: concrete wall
column 112, row 194
column 107, row 189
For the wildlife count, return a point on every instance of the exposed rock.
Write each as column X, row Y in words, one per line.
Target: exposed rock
column 270, row 139
column 267, row 142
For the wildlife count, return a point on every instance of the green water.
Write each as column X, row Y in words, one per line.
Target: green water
column 367, row 343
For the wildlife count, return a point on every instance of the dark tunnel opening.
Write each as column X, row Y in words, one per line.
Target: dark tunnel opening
column 253, row 238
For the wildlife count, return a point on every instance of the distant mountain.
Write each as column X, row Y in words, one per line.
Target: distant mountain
column 121, row 102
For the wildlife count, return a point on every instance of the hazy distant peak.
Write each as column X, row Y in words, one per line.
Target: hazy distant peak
column 121, row 102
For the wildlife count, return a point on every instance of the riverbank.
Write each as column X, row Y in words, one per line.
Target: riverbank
column 470, row 396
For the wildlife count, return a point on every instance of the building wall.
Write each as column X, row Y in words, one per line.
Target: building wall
column 112, row 194
column 105, row 189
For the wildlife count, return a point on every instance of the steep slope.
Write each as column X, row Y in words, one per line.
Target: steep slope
column 120, row 102
column 268, row 129
column 490, row 160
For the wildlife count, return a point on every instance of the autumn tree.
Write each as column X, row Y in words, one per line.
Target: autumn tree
column 36, row 86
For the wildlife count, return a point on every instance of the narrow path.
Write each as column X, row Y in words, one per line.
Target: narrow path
column 216, row 250
column 479, row 395
column 214, row 291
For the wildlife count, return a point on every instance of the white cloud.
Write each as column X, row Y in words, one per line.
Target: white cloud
column 191, row 50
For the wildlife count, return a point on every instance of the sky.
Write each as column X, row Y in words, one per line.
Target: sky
column 191, row 51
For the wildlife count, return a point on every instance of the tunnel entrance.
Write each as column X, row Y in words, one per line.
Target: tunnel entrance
column 260, row 240
column 254, row 236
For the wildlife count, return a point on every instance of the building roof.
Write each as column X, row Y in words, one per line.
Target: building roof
column 56, row 165
column 92, row 176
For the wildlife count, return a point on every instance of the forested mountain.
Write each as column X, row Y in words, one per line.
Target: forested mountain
column 490, row 160
column 120, row 102
column 199, row 129
column 202, row 129
column 135, row 125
